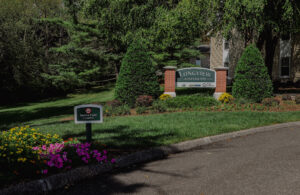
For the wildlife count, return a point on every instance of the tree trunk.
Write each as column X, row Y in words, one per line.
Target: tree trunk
column 270, row 47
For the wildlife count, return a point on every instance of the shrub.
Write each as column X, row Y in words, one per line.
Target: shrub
column 270, row 102
column 165, row 97
column 141, row 110
column 159, row 106
column 252, row 80
column 191, row 101
column 114, row 103
column 226, row 98
column 297, row 99
column 144, row 101
column 286, row 97
column 137, row 75
column 122, row 110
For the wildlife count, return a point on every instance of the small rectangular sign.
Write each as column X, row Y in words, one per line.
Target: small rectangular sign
column 196, row 78
column 88, row 113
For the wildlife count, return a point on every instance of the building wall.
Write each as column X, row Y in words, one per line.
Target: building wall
column 236, row 50
column 216, row 52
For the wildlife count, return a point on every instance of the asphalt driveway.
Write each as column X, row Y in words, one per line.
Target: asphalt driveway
column 263, row 163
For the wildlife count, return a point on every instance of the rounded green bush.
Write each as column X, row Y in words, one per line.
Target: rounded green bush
column 137, row 75
column 252, row 80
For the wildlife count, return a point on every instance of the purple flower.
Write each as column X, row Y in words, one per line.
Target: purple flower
column 113, row 160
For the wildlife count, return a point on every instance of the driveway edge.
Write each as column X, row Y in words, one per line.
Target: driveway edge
column 60, row 180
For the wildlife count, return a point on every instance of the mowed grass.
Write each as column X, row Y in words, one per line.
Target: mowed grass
column 51, row 110
column 134, row 132
column 137, row 132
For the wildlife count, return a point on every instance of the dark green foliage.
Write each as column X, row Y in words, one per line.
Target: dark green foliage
column 141, row 110
column 144, row 101
column 116, row 111
column 190, row 101
column 137, row 75
column 251, row 77
column 159, row 106
column 198, row 91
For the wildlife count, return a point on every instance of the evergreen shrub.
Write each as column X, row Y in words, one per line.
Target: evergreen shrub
column 137, row 75
column 252, row 80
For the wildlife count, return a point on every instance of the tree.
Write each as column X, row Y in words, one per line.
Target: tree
column 261, row 22
column 251, row 77
column 169, row 28
column 22, row 59
column 176, row 31
column 137, row 75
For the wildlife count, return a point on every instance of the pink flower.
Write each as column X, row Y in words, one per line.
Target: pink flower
column 45, row 171
column 35, row 148
column 44, row 147
column 113, row 160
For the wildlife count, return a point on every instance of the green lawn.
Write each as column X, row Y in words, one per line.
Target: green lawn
column 51, row 110
column 132, row 132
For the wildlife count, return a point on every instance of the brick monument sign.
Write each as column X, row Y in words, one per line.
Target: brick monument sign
column 195, row 77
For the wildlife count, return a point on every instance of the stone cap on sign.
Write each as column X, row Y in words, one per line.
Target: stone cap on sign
column 170, row 67
column 221, row 68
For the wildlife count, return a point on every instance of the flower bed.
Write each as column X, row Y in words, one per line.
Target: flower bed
column 27, row 154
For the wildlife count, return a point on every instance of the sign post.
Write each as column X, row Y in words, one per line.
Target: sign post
column 88, row 114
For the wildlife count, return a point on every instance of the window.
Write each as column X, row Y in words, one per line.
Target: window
column 285, row 56
column 198, row 62
column 285, row 66
column 226, row 44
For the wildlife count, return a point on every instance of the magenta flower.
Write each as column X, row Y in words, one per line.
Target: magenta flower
column 45, row 171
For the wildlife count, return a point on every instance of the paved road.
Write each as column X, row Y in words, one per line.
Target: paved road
column 264, row 163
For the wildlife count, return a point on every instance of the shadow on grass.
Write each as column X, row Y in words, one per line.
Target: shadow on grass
column 123, row 137
column 8, row 119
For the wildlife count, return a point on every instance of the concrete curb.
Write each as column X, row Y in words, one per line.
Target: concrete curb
column 57, row 181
